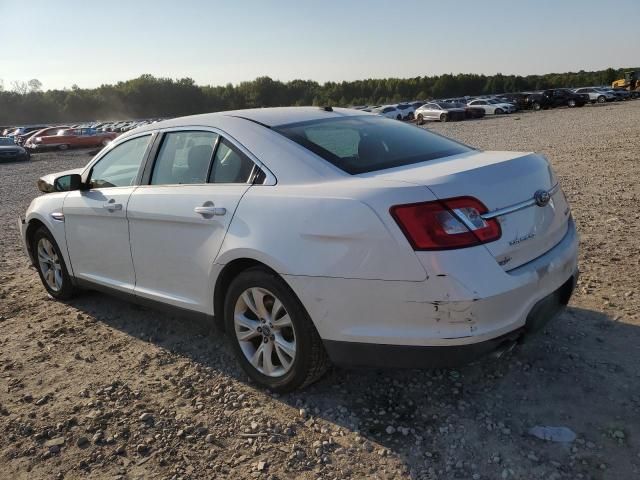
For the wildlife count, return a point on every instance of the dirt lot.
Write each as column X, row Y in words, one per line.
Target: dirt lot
column 77, row 378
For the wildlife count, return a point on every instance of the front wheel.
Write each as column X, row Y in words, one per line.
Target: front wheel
column 50, row 265
column 64, row 146
column 420, row 119
column 444, row 117
column 272, row 335
column 571, row 103
column 601, row 99
column 499, row 111
column 536, row 106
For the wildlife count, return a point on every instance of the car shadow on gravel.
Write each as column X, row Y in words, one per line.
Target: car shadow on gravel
column 577, row 373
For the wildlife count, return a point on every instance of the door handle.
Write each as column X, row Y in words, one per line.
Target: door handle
column 112, row 207
column 208, row 210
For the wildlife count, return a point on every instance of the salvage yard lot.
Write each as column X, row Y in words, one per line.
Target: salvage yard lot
column 77, row 378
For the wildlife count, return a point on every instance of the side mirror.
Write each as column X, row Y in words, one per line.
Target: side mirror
column 66, row 183
column 63, row 183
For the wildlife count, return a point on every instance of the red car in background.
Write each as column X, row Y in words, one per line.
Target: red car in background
column 40, row 133
column 71, row 138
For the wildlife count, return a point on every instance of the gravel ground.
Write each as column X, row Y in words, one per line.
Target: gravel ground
column 100, row 388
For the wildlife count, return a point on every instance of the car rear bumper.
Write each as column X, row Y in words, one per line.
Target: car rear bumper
column 479, row 304
column 357, row 354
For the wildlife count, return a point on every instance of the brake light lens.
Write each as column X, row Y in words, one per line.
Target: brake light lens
column 446, row 224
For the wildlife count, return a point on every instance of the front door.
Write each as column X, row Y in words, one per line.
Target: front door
column 96, row 226
column 178, row 221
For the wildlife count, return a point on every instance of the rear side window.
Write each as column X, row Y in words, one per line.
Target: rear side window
column 369, row 143
column 184, row 158
column 230, row 165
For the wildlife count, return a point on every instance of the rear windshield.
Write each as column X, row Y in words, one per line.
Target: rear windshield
column 369, row 143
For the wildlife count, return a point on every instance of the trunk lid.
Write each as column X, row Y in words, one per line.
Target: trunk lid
column 506, row 182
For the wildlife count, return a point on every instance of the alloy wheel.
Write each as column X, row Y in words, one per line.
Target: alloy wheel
column 265, row 332
column 50, row 264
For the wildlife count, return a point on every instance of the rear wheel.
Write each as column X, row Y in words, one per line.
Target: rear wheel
column 571, row 103
column 444, row 117
column 420, row 119
column 399, row 117
column 271, row 333
column 601, row 99
column 50, row 265
column 63, row 146
column 499, row 111
column 536, row 106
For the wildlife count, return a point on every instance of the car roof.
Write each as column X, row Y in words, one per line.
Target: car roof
column 270, row 117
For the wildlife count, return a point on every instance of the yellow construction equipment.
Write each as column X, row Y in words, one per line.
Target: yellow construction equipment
column 631, row 82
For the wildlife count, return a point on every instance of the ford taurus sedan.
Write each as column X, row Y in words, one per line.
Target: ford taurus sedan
column 315, row 235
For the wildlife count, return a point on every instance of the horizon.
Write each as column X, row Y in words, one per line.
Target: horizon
column 217, row 43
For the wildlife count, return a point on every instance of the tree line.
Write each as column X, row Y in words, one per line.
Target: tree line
column 149, row 97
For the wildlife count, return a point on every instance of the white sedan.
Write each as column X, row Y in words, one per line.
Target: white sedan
column 388, row 111
column 492, row 106
column 314, row 235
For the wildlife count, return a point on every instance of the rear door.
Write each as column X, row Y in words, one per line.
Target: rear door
column 96, row 225
column 179, row 218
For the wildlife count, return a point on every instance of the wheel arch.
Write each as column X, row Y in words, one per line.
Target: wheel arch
column 226, row 275
column 32, row 226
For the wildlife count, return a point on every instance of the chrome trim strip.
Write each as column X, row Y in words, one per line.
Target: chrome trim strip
column 518, row 206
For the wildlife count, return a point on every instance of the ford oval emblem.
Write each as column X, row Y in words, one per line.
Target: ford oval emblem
column 542, row 198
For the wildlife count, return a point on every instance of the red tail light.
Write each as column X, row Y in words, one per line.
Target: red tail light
column 446, row 224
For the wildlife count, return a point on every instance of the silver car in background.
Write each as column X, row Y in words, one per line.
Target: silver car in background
column 441, row 111
column 596, row 94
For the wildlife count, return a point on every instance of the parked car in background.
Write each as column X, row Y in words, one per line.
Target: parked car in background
column 45, row 132
column 596, row 95
column 470, row 112
column 389, row 111
column 11, row 152
column 407, row 110
column 441, row 111
column 73, row 138
column 421, row 252
column 24, row 130
column 519, row 99
column 557, row 97
column 619, row 93
column 491, row 107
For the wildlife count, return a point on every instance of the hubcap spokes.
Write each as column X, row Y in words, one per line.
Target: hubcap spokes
column 50, row 264
column 265, row 332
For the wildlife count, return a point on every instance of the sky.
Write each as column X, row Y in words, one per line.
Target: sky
column 89, row 43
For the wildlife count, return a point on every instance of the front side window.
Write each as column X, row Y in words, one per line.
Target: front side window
column 230, row 165
column 368, row 143
column 184, row 158
column 119, row 167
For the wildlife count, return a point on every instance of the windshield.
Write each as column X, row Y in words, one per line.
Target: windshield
column 368, row 143
column 4, row 141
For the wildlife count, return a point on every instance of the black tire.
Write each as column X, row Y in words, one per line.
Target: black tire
column 67, row 289
column 536, row 106
column 498, row 111
column 601, row 99
column 63, row 147
column 399, row 117
column 444, row 117
column 420, row 119
column 571, row 103
column 311, row 360
column 411, row 116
